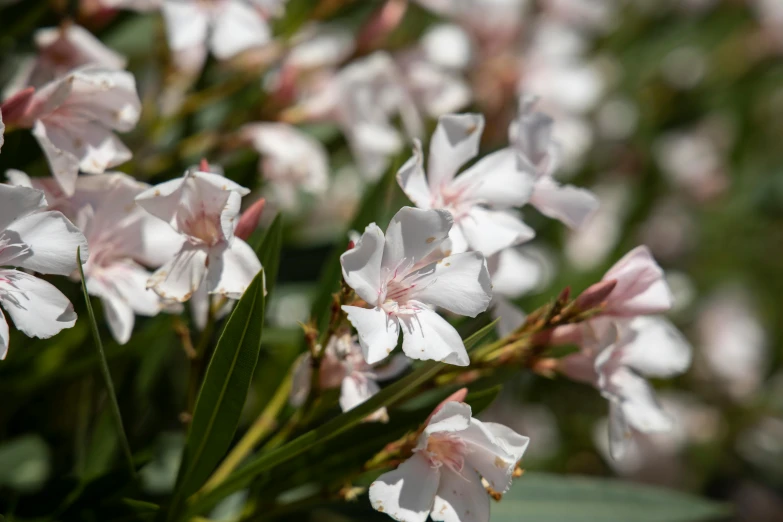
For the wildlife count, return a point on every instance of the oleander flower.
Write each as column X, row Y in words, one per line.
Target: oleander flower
column 202, row 208
column 401, row 275
column 34, row 239
column 343, row 366
column 481, row 198
column 73, row 118
column 443, row 478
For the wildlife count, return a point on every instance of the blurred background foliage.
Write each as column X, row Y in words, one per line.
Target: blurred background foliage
column 684, row 152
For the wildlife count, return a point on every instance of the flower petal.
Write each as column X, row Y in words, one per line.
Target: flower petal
column 490, row 231
column 458, row 283
column 641, row 288
column 231, row 269
column 378, row 331
column 454, row 142
column 17, row 202
column 63, row 163
column 426, row 335
column 5, row 336
column 495, row 459
column 412, row 180
column 510, row 316
column 657, row 348
column 451, row 417
column 635, row 399
column 355, row 389
column 186, row 24
column 407, row 493
column 503, row 179
column 461, row 498
column 120, row 317
column 237, row 27
column 53, row 241
column 362, row 264
column 180, row 278
column 37, row 307
column 566, row 203
column 412, row 235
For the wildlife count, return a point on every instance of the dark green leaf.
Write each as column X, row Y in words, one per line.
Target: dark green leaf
column 542, row 497
column 223, row 392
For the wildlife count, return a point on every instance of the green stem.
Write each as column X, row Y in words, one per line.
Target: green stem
column 260, row 428
column 107, row 380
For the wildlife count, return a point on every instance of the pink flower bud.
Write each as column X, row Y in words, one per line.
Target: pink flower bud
column 203, row 165
column 248, row 221
column 383, row 22
column 16, row 106
column 457, row 396
column 595, row 295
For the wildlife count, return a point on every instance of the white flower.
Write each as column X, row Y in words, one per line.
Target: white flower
column 73, row 117
column 61, row 49
column 291, row 160
column 45, row 242
column 443, row 477
column 227, row 27
column 400, row 275
column 481, row 197
column 343, row 366
column 531, row 134
column 203, row 208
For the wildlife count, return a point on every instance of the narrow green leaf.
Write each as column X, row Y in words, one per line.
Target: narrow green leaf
column 474, row 340
column 107, row 380
column 547, row 497
column 268, row 252
column 223, row 393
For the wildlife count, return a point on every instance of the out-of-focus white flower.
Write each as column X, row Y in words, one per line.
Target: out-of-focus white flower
column 625, row 343
column 443, row 478
column 73, row 118
column 480, row 198
column 497, row 20
column 733, row 342
column 531, row 135
column 42, row 241
column 135, row 5
column 202, row 207
column 363, row 98
column 291, row 160
column 770, row 14
column 400, row 275
column 343, row 366
column 61, row 49
column 227, row 28
column 2, row 130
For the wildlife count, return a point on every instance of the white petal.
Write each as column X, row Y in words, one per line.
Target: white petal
column 355, row 389
column 461, row 498
column 104, row 96
column 636, row 400
column 53, row 241
column 490, row 231
column 620, row 433
column 412, row 235
column 38, row 309
column 566, row 203
column 411, row 178
column 378, row 331
column 186, row 24
column 493, row 459
column 510, row 316
column 641, row 288
column 502, row 179
column 452, row 417
column 657, row 348
column 362, row 264
column 458, row 283
column 162, row 201
column 232, row 269
column 395, row 367
column 63, row 163
column 238, row 27
column 300, row 383
column 454, row 142
column 428, row 336
column 407, row 493
column 515, row 272
column 4, row 336
column 120, row 317
column 129, row 281
column 17, row 202
column 180, row 278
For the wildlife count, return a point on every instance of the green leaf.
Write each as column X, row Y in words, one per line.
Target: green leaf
column 24, row 463
column 107, row 380
column 474, row 340
column 268, row 252
column 223, row 392
column 543, row 497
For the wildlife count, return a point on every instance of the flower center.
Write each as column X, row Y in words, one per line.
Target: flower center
column 446, row 449
column 203, row 228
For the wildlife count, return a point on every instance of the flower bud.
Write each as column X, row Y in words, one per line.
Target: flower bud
column 595, row 295
column 16, row 106
column 249, row 219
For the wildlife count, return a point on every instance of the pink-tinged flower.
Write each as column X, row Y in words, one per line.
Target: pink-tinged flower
column 641, row 286
column 226, row 27
column 343, row 366
column 363, row 98
column 134, row 5
column 531, row 135
column 42, row 241
column 291, row 160
column 481, row 198
column 400, row 275
column 443, row 478
column 60, row 50
column 73, row 118
column 2, row 130
column 202, row 208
